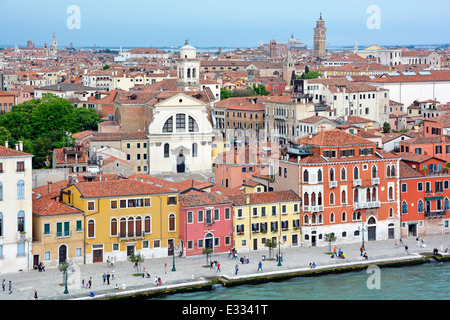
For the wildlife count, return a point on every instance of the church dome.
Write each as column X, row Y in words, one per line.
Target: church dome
column 188, row 51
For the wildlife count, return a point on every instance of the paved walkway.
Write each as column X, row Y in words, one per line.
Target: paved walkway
column 49, row 284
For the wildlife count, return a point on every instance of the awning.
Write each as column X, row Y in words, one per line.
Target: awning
column 434, row 198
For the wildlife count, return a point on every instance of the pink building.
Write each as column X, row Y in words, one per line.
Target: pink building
column 207, row 220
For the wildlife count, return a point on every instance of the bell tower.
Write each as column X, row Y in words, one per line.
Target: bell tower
column 320, row 39
column 188, row 68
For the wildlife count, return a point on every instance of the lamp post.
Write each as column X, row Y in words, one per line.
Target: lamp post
column 173, row 255
column 362, row 233
column 279, row 252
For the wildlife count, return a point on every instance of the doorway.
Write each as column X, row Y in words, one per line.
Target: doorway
column 62, row 253
column 391, row 233
column 97, row 255
column 255, row 244
column 130, row 250
column 412, row 230
column 35, row 261
column 209, row 240
column 170, row 244
column 313, row 241
column 180, row 163
column 371, row 233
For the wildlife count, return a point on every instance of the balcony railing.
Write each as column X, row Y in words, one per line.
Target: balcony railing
column 357, row 182
column 63, row 234
column 333, row 184
column 375, row 181
column 435, row 213
column 131, row 235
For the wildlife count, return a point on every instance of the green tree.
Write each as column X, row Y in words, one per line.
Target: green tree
column 225, row 94
column 271, row 245
column 207, row 252
column 5, row 135
column 260, row 90
column 137, row 259
column 386, row 127
column 329, row 237
column 106, row 67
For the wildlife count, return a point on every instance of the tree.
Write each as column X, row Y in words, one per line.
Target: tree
column 293, row 77
column 207, row 252
column 271, row 245
column 225, row 94
column 260, row 90
column 137, row 259
column 386, row 127
column 106, row 67
column 329, row 237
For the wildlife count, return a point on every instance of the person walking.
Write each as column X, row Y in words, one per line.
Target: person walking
column 361, row 249
column 406, row 249
column 107, row 278
column 335, row 251
column 165, row 268
column 90, row 282
column 104, row 278
column 3, row 284
column 236, row 269
column 218, row 267
column 10, row 287
column 112, row 275
column 259, row 266
column 35, row 295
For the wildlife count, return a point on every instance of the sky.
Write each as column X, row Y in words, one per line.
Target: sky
column 229, row 23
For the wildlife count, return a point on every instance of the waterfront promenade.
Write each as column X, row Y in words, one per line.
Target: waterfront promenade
column 192, row 271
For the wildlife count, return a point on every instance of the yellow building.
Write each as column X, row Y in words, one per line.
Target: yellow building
column 267, row 215
column 126, row 216
column 58, row 229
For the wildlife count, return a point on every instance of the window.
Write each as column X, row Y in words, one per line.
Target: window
column 171, row 200
column 91, row 205
column 181, row 122
column 91, row 229
column 404, row 207
column 166, row 150
column 404, row 187
column 343, row 197
column 113, row 227
column 263, row 211
column 20, row 166
column 46, row 228
column 193, row 127
column 355, row 173
column 190, row 218
column 168, row 125
column 274, row 210
column 420, row 206
column 113, row 204
column 227, row 214
column 343, row 174
column 391, row 193
column 374, row 171
column 419, row 186
column 194, row 150
column 79, row 225
column 21, row 221
column 20, row 189
column 147, row 224
column 305, row 176
column 200, row 216
column 171, row 222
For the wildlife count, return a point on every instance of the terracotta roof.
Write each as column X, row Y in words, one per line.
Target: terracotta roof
column 443, row 120
column 335, row 138
column 407, row 171
column 121, row 187
column 8, row 152
column 265, row 197
column 45, row 206
column 203, row 199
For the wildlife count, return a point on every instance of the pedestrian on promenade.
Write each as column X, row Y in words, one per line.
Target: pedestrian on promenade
column 104, row 278
column 165, row 268
column 107, row 277
column 112, row 275
column 35, row 295
column 401, row 241
column 90, row 282
column 236, row 269
column 218, row 267
column 108, row 262
column 362, row 250
column 335, row 251
column 10, row 287
column 406, row 249
column 3, row 284
column 418, row 241
column 259, row 266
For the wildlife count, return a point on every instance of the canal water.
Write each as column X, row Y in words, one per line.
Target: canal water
column 429, row 281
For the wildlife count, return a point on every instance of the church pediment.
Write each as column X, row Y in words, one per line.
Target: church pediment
column 180, row 100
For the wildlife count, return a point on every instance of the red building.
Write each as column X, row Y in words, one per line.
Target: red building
column 437, row 146
column 424, row 199
column 207, row 222
column 348, row 187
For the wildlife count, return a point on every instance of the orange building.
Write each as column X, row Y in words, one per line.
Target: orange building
column 7, row 100
column 348, row 187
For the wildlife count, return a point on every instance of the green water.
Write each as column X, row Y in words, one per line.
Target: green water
column 421, row 282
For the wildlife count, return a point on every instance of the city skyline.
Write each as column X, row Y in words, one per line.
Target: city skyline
column 155, row 24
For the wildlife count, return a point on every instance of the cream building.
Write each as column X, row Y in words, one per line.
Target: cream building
column 15, row 210
column 180, row 136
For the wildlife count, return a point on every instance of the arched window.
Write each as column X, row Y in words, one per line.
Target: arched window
column 194, row 150
column 355, row 196
column 391, row 212
column 194, row 73
column 420, row 206
column 313, row 199
column 166, row 150
column 180, row 124
column 393, row 173
column 113, row 227
column 331, row 198
column 368, row 195
column 404, row 207
column 189, row 72
column 123, row 228
column 374, row 171
column 388, row 171
column 306, row 219
column 320, row 218
column 319, row 175
column 371, row 221
column 343, row 174
column 313, row 218
column 305, row 176
column 306, row 199
column 343, row 197
column 344, row 216
column 91, row 229
column 319, row 199
column 355, row 173
column 374, row 194
column 168, row 125
column 331, row 174
column 20, row 189
column 131, row 227
column 391, row 193
column 138, row 226
column 332, row 217
column 21, row 221
column 147, row 224
column 171, row 222
column 193, row 126
column 446, row 204
column 1, row 191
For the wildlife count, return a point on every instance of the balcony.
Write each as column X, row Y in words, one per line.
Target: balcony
column 332, row 184
column 375, row 181
column 374, row 204
column 63, row 234
column 357, row 182
column 280, row 117
column 131, row 235
column 435, row 213
column 21, row 236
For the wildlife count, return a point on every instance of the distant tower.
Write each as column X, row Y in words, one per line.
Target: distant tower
column 46, row 48
column 54, row 46
column 320, row 39
column 288, row 67
column 188, row 68
column 29, row 44
column 273, row 49
column 355, row 48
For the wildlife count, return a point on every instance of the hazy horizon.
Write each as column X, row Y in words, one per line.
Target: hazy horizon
column 140, row 23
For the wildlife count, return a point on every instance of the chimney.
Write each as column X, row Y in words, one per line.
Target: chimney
column 247, row 199
column 21, row 145
column 310, row 135
column 6, row 144
column 17, row 146
column 50, row 186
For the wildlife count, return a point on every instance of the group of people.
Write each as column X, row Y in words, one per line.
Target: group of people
column 339, row 253
column 214, row 265
column 244, row 260
column 232, row 253
column 9, row 286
